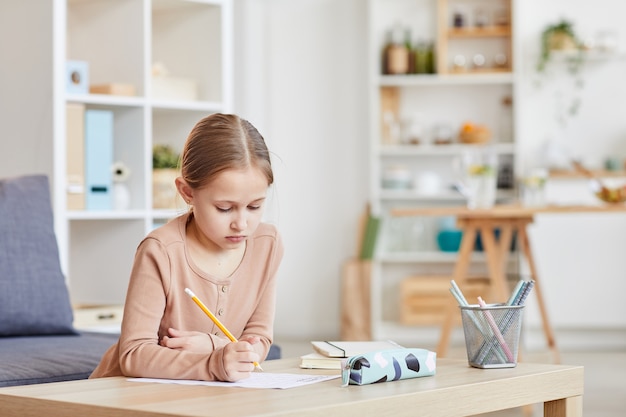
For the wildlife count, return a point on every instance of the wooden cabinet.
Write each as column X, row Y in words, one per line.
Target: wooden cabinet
column 172, row 62
column 410, row 113
column 475, row 33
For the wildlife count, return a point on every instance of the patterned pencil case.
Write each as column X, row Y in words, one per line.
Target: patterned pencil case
column 388, row 365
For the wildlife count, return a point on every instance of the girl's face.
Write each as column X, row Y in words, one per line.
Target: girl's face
column 229, row 209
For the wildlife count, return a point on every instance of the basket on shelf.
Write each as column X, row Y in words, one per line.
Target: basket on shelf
column 474, row 134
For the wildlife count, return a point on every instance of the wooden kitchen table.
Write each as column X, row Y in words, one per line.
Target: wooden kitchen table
column 455, row 391
column 509, row 220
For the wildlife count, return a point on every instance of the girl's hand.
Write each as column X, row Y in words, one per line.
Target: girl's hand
column 191, row 341
column 239, row 357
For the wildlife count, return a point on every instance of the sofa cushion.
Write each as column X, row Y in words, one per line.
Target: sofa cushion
column 38, row 359
column 34, row 299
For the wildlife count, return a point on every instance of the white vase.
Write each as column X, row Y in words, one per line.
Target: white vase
column 121, row 196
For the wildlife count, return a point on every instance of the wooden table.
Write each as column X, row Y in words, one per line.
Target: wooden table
column 509, row 220
column 456, row 390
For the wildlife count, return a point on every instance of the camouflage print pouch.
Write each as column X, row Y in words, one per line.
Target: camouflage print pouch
column 388, row 365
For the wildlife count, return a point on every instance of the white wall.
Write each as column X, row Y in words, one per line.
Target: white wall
column 25, row 42
column 599, row 128
column 302, row 79
column 579, row 256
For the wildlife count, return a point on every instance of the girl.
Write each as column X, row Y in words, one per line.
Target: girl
column 221, row 250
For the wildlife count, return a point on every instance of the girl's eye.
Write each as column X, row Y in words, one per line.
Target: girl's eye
column 254, row 207
column 224, row 209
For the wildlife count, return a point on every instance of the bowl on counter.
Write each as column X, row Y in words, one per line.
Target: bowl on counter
column 612, row 195
column 609, row 193
column 449, row 240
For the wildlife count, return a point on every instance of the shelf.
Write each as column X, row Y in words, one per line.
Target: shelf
column 121, row 42
column 106, row 215
column 443, row 196
column 423, row 257
column 405, row 106
column 589, row 55
column 106, row 100
column 460, row 78
column 208, row 106
column 479, row 32
column 570, row 174
column 412, row 195
column 443, row 150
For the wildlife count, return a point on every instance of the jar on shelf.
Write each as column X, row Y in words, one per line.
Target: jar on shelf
column 397, row 178
column 500, row 61
column 478, row 62
column 396, row 54
column 458, row 19
column 505, row 129
column 501, row 17
column 479, row 167
column 424, row 58
column 442, row 134
column 481, row 19
column 410, row 52
column 459, row 63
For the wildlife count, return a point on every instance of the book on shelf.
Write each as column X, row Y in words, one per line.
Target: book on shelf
column 318, row 361
column 75, row 156
column 346, row 349
column 370, row 235
column 99, row 131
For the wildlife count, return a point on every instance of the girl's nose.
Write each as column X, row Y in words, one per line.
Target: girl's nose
column 239, row 222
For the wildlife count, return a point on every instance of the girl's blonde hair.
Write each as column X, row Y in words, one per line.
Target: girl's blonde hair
column 219, row 142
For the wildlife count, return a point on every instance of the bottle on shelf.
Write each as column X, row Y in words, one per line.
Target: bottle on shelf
column 505, row 131
column 481, row 18
column 384, row 58
column 424, row 58
column 410, row 51
column 458, row 19
column 430, row 58
column 396, row 57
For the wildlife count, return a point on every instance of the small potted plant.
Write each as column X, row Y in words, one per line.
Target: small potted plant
column 165, row 162
column 560, row 37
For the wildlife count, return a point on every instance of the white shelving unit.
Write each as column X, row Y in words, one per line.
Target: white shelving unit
column 446, row 97
column 121, row 41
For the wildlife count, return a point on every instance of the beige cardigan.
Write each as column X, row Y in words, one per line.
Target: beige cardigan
column 156, row 301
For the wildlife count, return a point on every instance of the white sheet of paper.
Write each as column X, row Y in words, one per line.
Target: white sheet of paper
column 256, row 380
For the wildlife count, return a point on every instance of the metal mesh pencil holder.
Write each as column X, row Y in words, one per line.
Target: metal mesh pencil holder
column 492, row 334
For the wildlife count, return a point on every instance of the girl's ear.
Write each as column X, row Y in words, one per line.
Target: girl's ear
column 185, row 191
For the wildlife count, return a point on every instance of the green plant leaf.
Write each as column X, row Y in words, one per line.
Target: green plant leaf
column 164, row 156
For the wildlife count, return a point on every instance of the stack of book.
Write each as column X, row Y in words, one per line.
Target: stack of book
column 330, row 355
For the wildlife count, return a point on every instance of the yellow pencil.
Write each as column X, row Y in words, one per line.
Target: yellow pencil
column 215, row 320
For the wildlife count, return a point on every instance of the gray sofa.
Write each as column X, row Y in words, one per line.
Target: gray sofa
column 38, row 342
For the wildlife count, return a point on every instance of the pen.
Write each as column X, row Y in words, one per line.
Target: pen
column 456, row 292
column 518, row 298
column 496, row 331
column 215, row 320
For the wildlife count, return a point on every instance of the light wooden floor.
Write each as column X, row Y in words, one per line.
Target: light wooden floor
column 605, row 377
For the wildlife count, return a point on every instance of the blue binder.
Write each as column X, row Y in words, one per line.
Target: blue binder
column 98, row 159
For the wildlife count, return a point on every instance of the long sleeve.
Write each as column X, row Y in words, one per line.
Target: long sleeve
column 156, row 301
